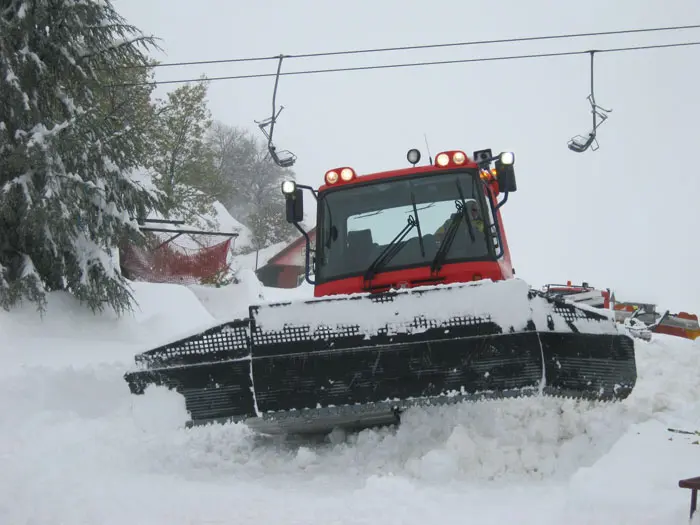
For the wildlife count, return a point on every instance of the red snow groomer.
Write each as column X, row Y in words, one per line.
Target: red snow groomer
column 415, row 303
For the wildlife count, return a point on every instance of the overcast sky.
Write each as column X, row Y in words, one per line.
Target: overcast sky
column 625, row 216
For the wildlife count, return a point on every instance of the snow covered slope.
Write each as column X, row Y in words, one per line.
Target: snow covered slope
column 76, row 447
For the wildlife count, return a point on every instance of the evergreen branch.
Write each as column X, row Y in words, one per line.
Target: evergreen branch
column 105, row 50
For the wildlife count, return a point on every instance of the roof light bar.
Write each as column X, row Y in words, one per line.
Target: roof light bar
column 450, row 158
column 337, row 175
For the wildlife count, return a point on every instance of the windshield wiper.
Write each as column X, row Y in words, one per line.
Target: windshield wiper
column 451, row 232
column 394, row 247
column 329, row 237
column 420, row 235
column 389, row 252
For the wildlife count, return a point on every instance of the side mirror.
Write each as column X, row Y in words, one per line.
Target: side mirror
column 295, row 206
column 505, row 176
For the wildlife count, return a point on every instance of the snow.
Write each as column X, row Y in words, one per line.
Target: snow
column 231, row 302
column 76, row 447
column 68, row 335
column 228, row 224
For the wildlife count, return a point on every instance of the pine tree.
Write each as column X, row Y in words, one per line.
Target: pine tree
column 69, row 163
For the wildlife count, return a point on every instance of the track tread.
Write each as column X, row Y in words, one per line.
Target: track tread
column 238, row 371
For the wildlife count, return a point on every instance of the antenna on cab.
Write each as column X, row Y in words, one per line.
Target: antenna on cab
column 430, row 157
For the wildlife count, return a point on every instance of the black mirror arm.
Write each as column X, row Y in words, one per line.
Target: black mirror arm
column 503, row 201
column 313, row 191
column 307, row 265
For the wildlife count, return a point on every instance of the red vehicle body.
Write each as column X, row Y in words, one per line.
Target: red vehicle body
column 496, row 267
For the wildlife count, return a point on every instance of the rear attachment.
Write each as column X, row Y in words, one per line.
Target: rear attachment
column 359, row 361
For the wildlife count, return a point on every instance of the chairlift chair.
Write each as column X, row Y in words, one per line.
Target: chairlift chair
column 283, row 158
column 580, row 143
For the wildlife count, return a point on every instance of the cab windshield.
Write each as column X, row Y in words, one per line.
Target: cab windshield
column 361, row 224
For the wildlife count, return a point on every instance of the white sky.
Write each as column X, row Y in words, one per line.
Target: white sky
column 624, row 217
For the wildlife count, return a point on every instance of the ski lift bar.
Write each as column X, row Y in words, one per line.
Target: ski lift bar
column 160, row 221
column 186, row 232
column 579, row 143
column 180, row 232
column 283, row 158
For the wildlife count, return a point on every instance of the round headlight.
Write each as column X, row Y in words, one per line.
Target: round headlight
column 507, row 158
column 442, row 160
column 459, row 157
column 413, row 156
column 347, row 174
column 332, row 177
column 289, row 187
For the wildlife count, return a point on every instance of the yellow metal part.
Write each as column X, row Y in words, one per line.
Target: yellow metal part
column 692, row 334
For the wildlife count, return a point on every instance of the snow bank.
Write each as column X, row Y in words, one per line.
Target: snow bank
column 232, row 301
column 634, row 464
column 70, row 335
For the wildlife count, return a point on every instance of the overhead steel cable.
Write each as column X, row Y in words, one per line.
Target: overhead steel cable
column 422, row 46
column 412, row 64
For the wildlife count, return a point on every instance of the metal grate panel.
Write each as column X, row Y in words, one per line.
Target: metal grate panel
column 223, row 342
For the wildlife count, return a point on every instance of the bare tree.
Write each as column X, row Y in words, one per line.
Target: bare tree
column 253, row 181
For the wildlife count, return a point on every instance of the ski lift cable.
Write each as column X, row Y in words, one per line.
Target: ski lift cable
column 274, row 99
column 592, row 95
column 409, row 64
column 421, row 46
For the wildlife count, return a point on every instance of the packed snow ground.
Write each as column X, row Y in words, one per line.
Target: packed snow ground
column 77, row 448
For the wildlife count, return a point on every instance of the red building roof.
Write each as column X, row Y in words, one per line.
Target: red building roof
column 294, row 253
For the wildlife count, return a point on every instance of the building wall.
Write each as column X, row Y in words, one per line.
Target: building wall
column 296, row 254
column 280, row 276
column 287, row 270
column 289, row 276
column 269, row 275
